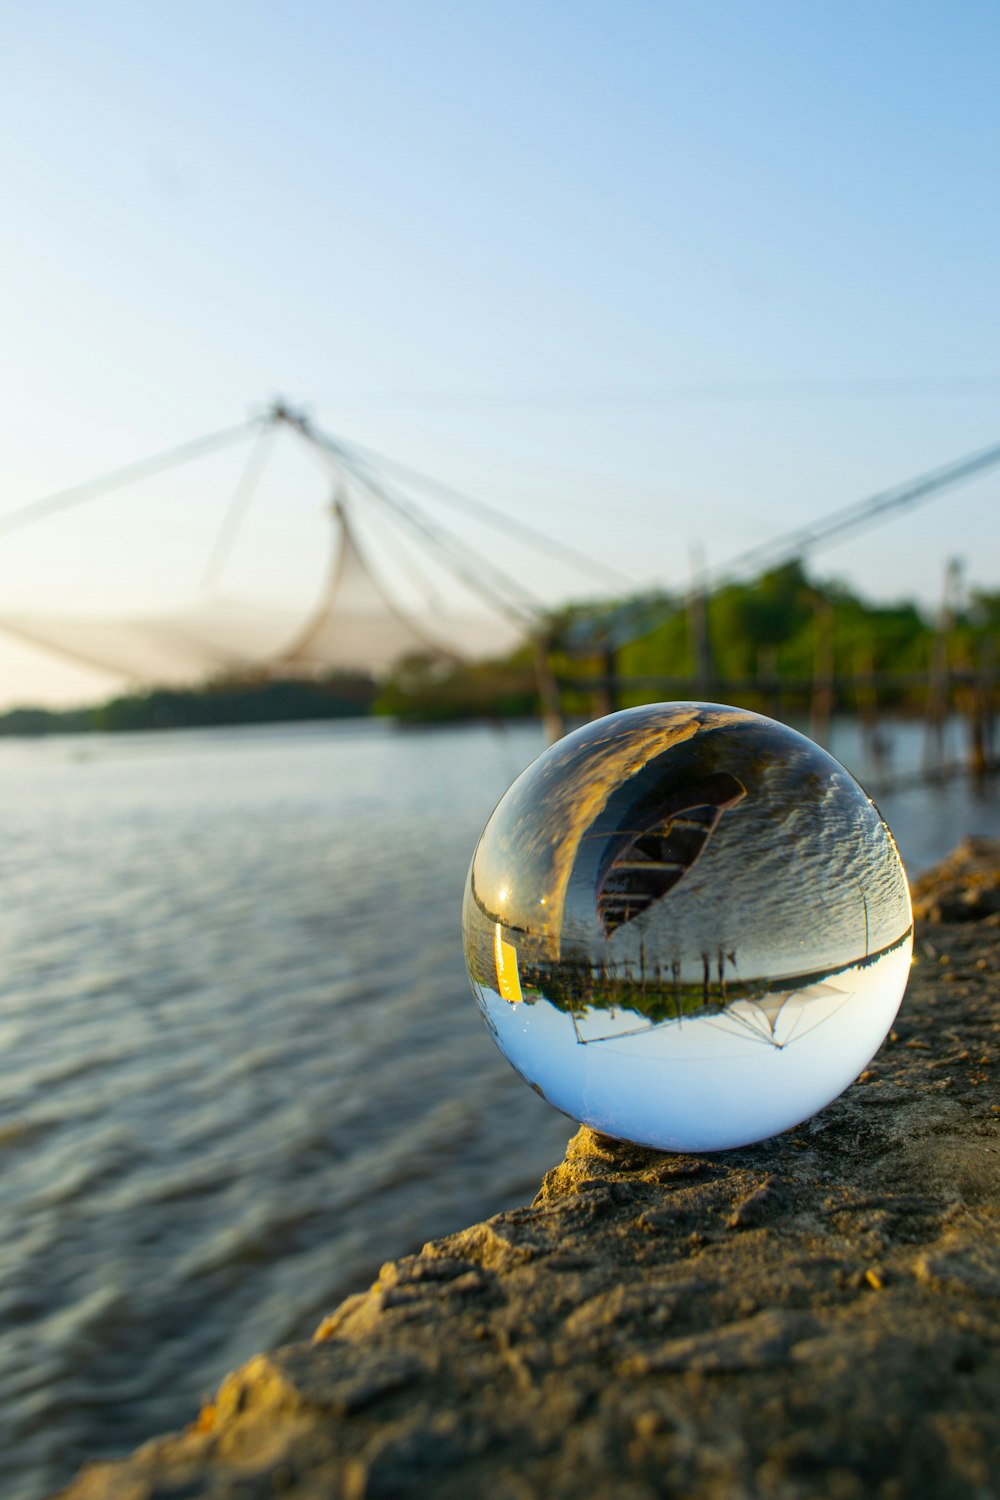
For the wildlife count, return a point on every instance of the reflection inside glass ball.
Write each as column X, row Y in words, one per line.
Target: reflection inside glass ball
column 687, row 926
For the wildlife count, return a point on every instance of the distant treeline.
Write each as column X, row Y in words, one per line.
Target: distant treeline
column 786, row 624
column 769, row 640
column 257, row 702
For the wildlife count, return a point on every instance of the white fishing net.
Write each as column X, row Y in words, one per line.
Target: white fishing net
column 355, row 627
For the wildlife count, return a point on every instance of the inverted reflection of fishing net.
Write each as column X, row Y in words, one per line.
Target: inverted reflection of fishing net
column 773, row 1018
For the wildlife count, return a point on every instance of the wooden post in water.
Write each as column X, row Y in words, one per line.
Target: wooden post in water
column 939, row 681
column 981, row 740
column 866, row 704
column 701, row 644
column 553, row 725
column 988, row 675
column 607, row 692
column 768, row 683
column 821, row 705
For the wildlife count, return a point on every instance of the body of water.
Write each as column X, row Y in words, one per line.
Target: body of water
column 239, row 1061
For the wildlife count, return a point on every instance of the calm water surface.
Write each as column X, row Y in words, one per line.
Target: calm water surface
column 239, row 1061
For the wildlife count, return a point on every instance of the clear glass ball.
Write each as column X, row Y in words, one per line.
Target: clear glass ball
column 687, row 926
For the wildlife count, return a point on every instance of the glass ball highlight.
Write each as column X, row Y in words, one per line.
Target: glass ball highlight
column 687, row 926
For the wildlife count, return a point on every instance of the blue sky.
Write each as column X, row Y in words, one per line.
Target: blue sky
column 652, row 276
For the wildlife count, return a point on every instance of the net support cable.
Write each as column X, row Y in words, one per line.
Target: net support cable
column 496, row 518
column 119, row 478
column 857, row 516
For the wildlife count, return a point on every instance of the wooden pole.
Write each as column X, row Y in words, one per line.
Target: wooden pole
column 768, row 682
column 606, row 699
column 701, row 645
column 553, row 725
column 821, row 706
column 939, row 680
column 866, row 703
column 981, row 741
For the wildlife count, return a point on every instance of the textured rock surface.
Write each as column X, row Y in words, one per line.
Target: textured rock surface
column 817, row 1315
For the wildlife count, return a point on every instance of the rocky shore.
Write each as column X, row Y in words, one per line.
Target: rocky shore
column 813, row 1316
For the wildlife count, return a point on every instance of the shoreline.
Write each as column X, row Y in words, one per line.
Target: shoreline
column 813, row 1315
